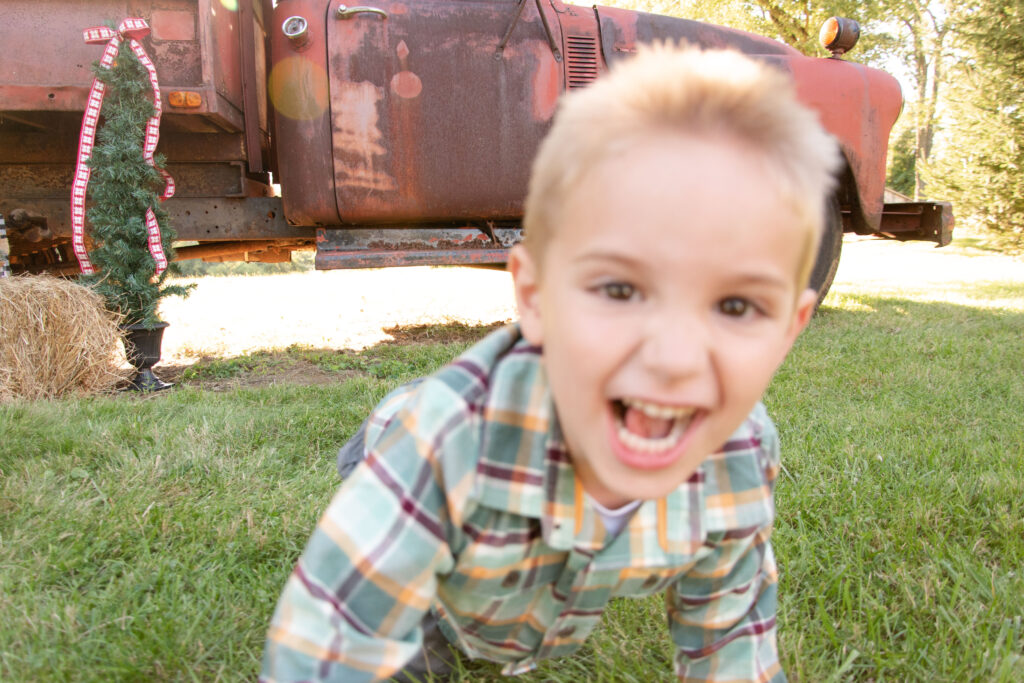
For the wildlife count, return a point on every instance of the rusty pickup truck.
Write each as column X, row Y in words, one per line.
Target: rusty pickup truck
column 397, row 133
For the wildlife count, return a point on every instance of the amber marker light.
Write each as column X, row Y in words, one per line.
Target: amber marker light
column 838, row 35
column 184, row 99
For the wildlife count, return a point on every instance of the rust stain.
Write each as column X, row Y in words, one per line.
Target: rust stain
column 434, row 243
column 405, row 83
column 357, row 138
column 173, row 25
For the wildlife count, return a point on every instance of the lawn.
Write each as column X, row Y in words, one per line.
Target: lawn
column 147, row 538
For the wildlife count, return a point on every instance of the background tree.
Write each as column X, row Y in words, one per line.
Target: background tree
column 902, row 160
column 982, row 152
column 924, row 26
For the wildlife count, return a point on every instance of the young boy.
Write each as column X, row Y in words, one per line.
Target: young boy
column 612, row 443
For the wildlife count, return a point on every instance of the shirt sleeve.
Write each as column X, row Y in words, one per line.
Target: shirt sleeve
column 353, row 606
column 722, row 612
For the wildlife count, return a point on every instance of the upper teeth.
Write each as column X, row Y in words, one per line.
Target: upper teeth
column 657, row 410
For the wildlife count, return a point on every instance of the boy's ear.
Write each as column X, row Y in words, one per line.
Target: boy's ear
column 802, row 315
column 526, row 280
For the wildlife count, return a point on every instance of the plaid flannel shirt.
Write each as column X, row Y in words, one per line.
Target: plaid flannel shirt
column 468, row 504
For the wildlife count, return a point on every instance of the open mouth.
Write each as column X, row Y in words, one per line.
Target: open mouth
column 652, row 428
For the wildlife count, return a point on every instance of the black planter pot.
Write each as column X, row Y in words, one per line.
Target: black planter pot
column 142, row 347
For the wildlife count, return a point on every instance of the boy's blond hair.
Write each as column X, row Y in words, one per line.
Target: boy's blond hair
column 669, row 90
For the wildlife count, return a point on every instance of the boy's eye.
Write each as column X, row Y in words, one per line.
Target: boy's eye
column 620, row 291
column 736, row 307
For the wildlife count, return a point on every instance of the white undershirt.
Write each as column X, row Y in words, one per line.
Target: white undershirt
column 615, row 519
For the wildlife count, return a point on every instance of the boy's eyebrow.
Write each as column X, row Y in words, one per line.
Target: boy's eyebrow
column 763, row 279
column 600, row 255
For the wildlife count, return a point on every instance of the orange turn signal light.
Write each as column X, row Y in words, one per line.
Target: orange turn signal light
column 185, row 99
column 838, row 35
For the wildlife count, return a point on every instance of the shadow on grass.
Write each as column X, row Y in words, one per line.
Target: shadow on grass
column 305, row 365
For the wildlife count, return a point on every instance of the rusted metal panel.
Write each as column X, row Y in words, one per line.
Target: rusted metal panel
column 859, row 106
column 38, row 148
column 431, row 120
column 193, row 219
column 334, row 260
column 368, row 248
column 183, row 45
column 66, row 59
column 622, row 30
column 239, row 219
column 299, row 96
column 191, row 180
column 419, row 238
column 248, row 72
column 174, row 24
column 36, row 180
column 173, row 43
column 30, row 75
column 238, row 250
column 221, row 20
column 581, row 46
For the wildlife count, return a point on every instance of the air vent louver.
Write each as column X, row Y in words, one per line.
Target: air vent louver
column 582, row 60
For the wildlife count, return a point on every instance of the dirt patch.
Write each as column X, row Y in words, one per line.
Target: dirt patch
column 304, row 366
column 297, row 372
column 439, row 334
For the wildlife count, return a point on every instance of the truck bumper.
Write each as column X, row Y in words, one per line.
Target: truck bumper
column 415, row 246
column 927, row 221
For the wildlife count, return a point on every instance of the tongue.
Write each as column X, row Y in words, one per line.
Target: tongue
column 646, row 426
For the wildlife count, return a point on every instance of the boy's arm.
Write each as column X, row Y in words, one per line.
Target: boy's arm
column 722, row 612
column 352, row 608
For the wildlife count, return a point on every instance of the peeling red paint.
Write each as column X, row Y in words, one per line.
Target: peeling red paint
column 547, row 85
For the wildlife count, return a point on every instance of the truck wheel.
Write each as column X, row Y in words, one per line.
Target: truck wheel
column 827, row 261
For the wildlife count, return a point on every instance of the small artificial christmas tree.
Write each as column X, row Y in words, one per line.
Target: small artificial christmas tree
column 124, row 185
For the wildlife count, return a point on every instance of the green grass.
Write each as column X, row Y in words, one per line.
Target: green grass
column 148, row 538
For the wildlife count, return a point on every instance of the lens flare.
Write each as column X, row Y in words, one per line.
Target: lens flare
column 298, row 88
column 230, row 5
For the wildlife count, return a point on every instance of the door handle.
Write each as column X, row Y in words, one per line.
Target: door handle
column 345, row 12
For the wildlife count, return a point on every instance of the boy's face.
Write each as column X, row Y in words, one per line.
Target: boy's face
column 666, row 299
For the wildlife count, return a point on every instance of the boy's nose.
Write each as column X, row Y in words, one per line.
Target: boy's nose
column 676, row 348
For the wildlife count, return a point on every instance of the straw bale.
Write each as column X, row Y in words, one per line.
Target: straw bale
column 56, row 338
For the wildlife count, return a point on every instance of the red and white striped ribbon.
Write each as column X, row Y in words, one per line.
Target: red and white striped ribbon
column 131, row 29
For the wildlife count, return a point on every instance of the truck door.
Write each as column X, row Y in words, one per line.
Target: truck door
column 435, row 114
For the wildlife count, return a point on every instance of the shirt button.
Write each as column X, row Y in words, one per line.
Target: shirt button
column 566, row 632
column 511, row 579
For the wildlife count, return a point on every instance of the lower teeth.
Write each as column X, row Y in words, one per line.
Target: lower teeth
column 643, row 444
